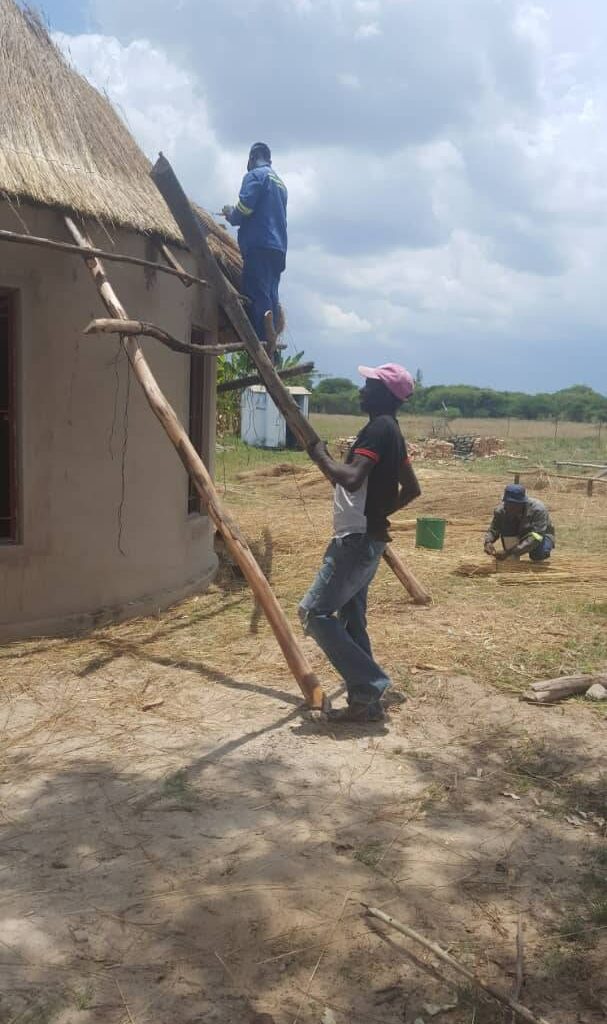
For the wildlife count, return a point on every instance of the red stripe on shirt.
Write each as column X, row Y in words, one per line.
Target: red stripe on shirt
column 367, row 453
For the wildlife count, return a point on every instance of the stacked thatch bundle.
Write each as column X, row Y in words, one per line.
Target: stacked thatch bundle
column 63, row 145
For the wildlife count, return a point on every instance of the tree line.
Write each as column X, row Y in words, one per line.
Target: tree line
column 579, row 403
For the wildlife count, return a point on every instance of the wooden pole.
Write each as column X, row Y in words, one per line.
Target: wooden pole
column 173, row 262
column 598, row 479
column 501, row 997
column 408, row 580
column 195, row 235
column 271, row 337
column 246, row 382
column 235, row 542
column 112, row 257
column 138, row 328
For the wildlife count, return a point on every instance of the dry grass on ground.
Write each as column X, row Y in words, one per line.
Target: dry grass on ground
column 179, row 847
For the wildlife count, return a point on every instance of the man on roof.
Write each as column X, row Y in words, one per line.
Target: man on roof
column 375, row 480
column 523, row 526
column 261, row 217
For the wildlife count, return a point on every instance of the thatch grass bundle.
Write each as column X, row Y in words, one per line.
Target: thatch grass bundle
column 526, row 572
column 63, row 145
column 592, row 577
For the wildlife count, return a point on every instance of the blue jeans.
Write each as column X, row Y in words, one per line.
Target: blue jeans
column 334, row 612
column 261, row 272
column 541, row 550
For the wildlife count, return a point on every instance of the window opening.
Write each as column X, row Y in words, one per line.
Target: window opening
column 8, row 420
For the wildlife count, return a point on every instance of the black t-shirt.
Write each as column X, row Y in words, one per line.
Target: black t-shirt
column 381, row 441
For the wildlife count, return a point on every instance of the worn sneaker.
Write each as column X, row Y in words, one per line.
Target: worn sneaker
column 356, row 713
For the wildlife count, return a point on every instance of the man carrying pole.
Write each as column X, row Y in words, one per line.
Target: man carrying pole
column 375, row 480
column 196, row 239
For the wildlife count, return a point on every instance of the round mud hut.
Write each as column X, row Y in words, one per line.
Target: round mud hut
column 97, row 519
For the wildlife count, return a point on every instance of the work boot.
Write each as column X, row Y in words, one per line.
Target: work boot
column 356, row 714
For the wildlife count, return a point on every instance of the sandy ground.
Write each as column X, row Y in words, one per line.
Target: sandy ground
column 178, row 844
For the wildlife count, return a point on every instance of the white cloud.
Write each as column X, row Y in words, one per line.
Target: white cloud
column 367, row 31
column 337, row 319
column 449, row 201
column 533, row 21
column 348, row 80
column 367, row 7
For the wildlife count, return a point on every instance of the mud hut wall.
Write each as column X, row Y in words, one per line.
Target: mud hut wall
column 71, row 430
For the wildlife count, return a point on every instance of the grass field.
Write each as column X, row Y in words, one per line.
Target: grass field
column 532, row 442
column 426, row 426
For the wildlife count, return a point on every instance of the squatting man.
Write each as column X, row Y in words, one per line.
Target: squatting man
column 523, row 526
column 375, row 480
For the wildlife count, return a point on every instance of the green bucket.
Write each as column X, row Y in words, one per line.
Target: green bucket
column 430, row 533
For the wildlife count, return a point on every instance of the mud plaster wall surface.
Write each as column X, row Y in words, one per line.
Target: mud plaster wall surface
column 72, row 400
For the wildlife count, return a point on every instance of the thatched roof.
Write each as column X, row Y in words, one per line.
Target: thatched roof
column 63, row 145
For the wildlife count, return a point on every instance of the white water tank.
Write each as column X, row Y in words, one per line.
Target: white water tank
column 262, row 425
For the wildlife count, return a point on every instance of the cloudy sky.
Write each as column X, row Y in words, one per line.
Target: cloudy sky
column 446, row 163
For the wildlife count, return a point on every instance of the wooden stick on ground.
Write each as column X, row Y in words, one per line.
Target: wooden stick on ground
column 235, row 542
column 548, row 691
column 137, row 328
column 474, row 979
column 575, row 684
column 520, row 964
column 194, row 234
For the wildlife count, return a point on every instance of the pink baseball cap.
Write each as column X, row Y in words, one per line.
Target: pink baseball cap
column 398, row 380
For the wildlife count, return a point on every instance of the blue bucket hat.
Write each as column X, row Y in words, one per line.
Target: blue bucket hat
column 516, row 494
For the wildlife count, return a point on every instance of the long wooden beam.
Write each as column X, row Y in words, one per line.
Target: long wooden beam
column 141, row 328
column 113, row 257
column 246, row 382
column 558, row 476
column 195, row 235
column 583, row 465
column 234, row 540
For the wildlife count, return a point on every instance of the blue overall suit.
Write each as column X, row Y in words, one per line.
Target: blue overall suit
column 261, row 217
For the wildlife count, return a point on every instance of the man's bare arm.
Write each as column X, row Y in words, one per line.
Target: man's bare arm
column 409, row 485
column 350, row 475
